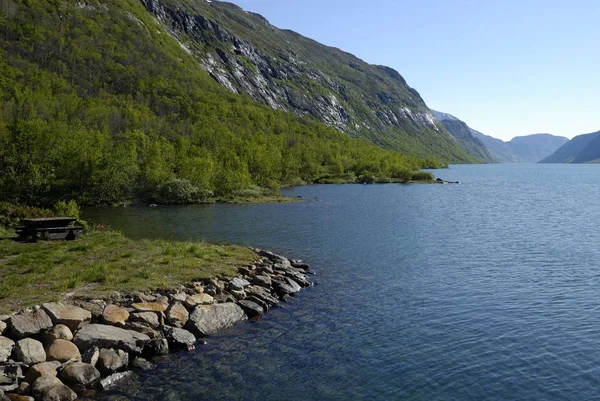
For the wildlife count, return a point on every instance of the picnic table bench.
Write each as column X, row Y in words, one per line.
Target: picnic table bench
column 49, row 228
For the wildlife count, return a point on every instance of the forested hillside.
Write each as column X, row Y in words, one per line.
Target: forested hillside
column 287, row 71
column 99, row 104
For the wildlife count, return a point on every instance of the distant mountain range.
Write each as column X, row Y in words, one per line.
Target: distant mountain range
column 581, row 149
column 521, row 149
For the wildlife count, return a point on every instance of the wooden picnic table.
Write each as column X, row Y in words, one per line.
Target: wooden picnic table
column 49, row 228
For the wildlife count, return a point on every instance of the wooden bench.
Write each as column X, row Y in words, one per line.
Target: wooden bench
column 50, row 228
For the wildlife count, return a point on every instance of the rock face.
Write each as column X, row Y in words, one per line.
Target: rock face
column 28, row 324
column 62, row 351
column 289, row 72
column 110, row 337
column 30, row 351
column 71, row 316
column 6, row 348
column 208, row 319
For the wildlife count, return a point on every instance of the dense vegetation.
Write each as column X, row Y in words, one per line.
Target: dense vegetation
column 100, row 105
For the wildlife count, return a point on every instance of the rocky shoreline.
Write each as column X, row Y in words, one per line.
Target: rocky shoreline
column 69, row 350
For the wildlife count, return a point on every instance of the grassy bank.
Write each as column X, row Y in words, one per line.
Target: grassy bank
column 104, row 261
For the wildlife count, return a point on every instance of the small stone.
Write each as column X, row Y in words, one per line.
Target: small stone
column 111, row 361
column 238, row 294
column 62, row 351
column 90, row 356
column 30, row 351
column 48, row 387
column 238, row 284
column 149, row 307
column 199, row 299
column 113, row 379
column 79, row 373
column 149, row 318
column 24, row 389
column 115, row 315
column 142, row 364
column 177, row 315
column 29, row 324
column 263, row 281
column 71, row 316
column 179, row 338
column 58, row 332
column 6, row 348
column 3, row 327
column 180, row 296
column 143, row 328
column 40, row 369
column 157, row 347
column 251, row 309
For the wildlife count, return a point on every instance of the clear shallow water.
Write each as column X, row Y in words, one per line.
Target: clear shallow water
column 488, row 290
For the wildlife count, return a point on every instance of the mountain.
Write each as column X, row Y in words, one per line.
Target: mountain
column 581, row 149
column 101, row 102
column 287, row 71
column 521, row 149
column 464, row 135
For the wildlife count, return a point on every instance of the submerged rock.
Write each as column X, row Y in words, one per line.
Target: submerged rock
column 79, row 373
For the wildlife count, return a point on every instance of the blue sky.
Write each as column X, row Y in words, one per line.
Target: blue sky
column 507, row 68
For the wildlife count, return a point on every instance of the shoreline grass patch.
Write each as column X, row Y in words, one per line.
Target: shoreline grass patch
column 103, row 261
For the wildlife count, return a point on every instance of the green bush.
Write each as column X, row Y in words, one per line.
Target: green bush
column 180, row 192
column 422, row 176
column 11, row 214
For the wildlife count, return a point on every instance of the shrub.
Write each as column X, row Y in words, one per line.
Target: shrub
column 180, row 192
column 422, row 176
column 11, row 214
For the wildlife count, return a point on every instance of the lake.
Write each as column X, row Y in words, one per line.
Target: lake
column 484, row 290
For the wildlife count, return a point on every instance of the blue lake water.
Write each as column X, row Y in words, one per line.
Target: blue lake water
column 486, row 290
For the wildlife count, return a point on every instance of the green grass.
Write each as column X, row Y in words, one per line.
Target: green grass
column 104, row 261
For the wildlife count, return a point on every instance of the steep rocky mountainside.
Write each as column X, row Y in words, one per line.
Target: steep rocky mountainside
column 247, row 55
column 464, row 135
column 581, row 149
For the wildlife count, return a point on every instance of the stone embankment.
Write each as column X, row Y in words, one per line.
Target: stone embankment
column 69, row 350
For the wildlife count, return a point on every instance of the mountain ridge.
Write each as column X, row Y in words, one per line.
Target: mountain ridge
column 285, row 70
column 583, row 148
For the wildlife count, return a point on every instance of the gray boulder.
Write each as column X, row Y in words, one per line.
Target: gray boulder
column 110, row 337
column 177, row 315
column 6, row 348
column 179, row 338
column 3, row 326
column 50, row 388
column 91, row 356
column 29, row 324
column 30, row 351
column 150, row 318
column 79, row 373
column 142, row 364
column 71, row 316
column 40, row 369
column 115, row 378
column 209, row 319
column 262, row 280
column 238, row 284
column 251, row 309
column 111, row 361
